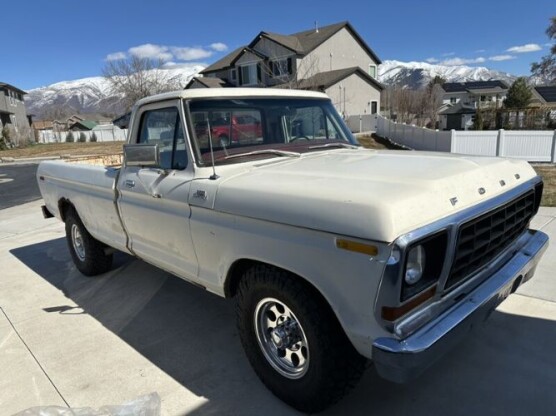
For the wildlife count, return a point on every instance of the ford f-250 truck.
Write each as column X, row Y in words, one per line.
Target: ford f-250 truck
column 335, row 254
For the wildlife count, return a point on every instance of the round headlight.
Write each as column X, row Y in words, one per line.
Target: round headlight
column 415, row 265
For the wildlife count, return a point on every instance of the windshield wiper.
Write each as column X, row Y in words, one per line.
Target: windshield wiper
column 264, row 152
column 344, row 145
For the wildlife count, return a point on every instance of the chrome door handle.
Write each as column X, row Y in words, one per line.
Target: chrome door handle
column 129, row 183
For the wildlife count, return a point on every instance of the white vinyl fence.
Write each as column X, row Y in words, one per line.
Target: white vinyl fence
column 103, row 135
column 530, row 145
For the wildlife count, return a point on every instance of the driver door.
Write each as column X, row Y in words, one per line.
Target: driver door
column 154, row 201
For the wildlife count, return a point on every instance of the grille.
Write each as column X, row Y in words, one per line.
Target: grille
column 482, row 239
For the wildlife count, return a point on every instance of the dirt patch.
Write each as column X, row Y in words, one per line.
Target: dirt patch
column 376, row 142
column 59, row 149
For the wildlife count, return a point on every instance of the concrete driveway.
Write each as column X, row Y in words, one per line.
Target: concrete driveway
column 66, row 339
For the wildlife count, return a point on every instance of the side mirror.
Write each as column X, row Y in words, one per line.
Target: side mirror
column 143, row 155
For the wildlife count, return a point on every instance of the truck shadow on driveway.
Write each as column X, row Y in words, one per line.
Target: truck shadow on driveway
column 506, row 367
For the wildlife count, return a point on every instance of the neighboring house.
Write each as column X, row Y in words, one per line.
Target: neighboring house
column 12, row 110
column 83, row 125
column 544, row 96
column 333, row 59
column 75, row 118
column 477, row 94
column 462, row 99
column 122, row 121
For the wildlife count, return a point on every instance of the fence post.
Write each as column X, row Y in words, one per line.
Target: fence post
column 500, row 142
column 453, row 141
column 360, row 123
column 553, row 150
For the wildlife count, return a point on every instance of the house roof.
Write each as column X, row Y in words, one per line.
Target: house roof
column 43, row 125
column 209, row 82
column 225, row 62
column 547, row 93
column 87, row 124
column 459, row 108
column 11, row 87
column 301, row 43
column 324, row 80
column 473, row 85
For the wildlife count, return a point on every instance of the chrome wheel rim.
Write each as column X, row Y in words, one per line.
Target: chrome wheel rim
column 77, row 241
column 281, row 338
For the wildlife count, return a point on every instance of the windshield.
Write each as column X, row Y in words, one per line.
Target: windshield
column 258, row 128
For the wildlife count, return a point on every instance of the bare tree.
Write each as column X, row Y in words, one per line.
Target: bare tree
column 135, row 78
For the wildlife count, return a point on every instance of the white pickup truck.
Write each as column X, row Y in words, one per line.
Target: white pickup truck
column 335, row 254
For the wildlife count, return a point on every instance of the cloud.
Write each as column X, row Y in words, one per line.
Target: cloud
column 480, row 51
column 190, row 54
column 449, row 54
column 150, row 51
column 431, row 60
column 530, row 47
column 116, row 56
column 219, row 46
column 462, row 61
column 498, row 58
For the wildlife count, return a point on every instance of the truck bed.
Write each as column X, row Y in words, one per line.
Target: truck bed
column 89, row 184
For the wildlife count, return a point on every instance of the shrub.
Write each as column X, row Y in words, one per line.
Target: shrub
column 94, row 137
column 82, row 137
column 69, row 137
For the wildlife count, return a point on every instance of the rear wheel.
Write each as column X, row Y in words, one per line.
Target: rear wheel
column 293, row 340
column 88, row 254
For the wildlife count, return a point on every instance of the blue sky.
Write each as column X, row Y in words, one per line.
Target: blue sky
column 46, row 42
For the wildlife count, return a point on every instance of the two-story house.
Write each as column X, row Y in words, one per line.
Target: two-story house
column 12, row 110
column 462, row 99
column 333, row 59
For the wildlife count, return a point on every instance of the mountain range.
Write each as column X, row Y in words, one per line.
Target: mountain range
column 93, row 95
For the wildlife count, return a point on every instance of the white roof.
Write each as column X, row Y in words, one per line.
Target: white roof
column 231, row 93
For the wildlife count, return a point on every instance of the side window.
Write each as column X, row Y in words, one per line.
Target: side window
column 163, row 127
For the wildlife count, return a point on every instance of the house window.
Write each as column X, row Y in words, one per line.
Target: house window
column 249, row 75
column 453, row 100
column 233, row 74
column 281, row 67
column 372, row 70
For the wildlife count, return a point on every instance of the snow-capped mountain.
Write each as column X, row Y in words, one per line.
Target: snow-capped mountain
column 89, row 95
column 416, row 75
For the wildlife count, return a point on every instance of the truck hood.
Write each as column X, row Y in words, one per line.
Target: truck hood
column 376, row 195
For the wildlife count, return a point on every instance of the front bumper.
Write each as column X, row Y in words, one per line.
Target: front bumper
column 402, row 360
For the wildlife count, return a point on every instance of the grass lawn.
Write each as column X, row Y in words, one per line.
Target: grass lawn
column 58, row 149
column 548, row 174
column 376, row 142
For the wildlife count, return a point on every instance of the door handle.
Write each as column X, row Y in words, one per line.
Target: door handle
column 129, row 183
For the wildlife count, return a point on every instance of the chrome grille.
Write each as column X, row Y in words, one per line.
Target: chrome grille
column 480, row 240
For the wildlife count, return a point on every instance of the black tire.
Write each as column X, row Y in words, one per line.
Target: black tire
column 333, row 366
column 88, row 254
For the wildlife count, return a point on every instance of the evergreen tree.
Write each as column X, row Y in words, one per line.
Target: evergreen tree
column 94, row 137
column 69, row 137
column 518, row 95
column 82, row 137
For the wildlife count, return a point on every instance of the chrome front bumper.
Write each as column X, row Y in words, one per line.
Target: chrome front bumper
column 402, row 360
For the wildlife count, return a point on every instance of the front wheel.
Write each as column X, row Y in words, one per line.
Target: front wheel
column 293, row 340
column 88, row 254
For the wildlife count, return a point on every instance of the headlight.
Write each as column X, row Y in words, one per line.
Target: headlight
column 415, row 265
column 423, row 264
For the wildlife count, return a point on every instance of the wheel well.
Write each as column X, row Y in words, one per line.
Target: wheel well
column 63, row 206
column 236, row 272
